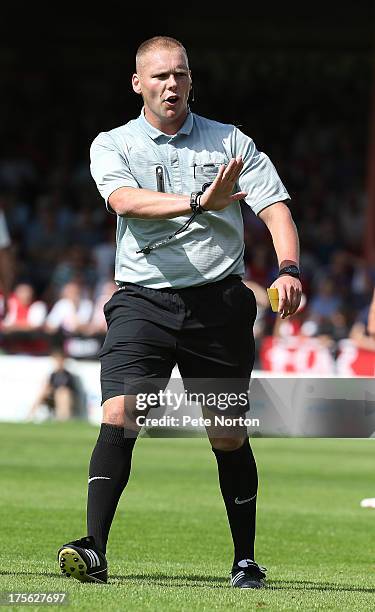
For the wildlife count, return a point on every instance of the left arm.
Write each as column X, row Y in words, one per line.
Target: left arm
column 280, row 224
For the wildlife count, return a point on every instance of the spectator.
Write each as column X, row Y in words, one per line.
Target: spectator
column 59, row 393
column 326, row 302
column 71, row 312
column 24, row 314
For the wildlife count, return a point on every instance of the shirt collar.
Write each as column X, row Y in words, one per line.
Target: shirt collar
column 154, row 133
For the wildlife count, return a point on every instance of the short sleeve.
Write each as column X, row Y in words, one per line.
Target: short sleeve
column 258, row 177
column 109, row 166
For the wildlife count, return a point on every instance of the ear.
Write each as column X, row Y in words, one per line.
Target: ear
column 191, row 90
column 136, row 84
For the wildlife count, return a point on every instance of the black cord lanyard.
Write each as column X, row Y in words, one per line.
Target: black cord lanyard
column 151, row 246
column 196, row 211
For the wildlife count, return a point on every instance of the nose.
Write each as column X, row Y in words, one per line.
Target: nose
column 171, row 82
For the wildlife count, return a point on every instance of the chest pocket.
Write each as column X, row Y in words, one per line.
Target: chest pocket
column 202, row 173
column 149, row 173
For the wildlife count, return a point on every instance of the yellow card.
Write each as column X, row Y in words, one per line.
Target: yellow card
column 273, row 296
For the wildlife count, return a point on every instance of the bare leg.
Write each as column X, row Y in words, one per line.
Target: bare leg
column 63, row 403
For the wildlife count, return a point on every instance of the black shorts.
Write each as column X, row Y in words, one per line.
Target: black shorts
column 206, row 330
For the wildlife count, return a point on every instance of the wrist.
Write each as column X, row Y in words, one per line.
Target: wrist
column 204, row 197
column 195, row 202
column 203, row 202
column 290, row 270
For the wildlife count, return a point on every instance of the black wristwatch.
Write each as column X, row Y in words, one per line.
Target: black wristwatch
column 195, row 202
column 290, row 271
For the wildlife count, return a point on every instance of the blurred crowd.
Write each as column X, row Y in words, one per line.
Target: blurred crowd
column 63, row 239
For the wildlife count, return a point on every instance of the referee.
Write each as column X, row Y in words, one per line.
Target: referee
column 174, row 180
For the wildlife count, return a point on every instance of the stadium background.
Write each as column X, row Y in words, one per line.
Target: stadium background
column 301, row 86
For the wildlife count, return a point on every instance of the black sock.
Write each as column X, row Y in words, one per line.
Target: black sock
column 108, row 476
column 238, row 479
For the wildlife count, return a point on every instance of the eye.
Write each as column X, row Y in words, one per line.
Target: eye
column 162, row 76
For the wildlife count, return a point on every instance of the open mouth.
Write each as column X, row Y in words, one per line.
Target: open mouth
column 171, row 100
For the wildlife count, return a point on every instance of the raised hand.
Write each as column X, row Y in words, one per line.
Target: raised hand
column 219, row 194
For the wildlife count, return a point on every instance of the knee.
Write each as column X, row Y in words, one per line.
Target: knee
column 62, row 391
column 114, row 411
column 227, row 444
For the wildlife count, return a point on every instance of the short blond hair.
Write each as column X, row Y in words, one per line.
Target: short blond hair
column 157, row 42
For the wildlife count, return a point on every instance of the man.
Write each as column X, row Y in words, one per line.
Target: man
column 59, row 392
column 170, row 176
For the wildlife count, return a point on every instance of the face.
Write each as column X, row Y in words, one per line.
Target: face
column 164, row 81
column 71, row 291
column 24, row 293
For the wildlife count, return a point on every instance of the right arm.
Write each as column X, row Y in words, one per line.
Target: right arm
column 110, row 168
column 139, row 203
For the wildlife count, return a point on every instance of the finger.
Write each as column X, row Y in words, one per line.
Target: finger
column 228, row 170
column 291, row 300
column 282, row 300
column 288, row 309
column 240, row 165
column 287, row 304
column 296, row 295
column 286, row 313
column 219, row 176
column 240, row 195
column 236, row 170
column 296, row 299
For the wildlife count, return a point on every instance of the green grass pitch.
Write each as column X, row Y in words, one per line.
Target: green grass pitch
column 170, row 547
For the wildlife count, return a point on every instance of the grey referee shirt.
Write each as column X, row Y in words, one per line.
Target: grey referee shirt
column 136, row 154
